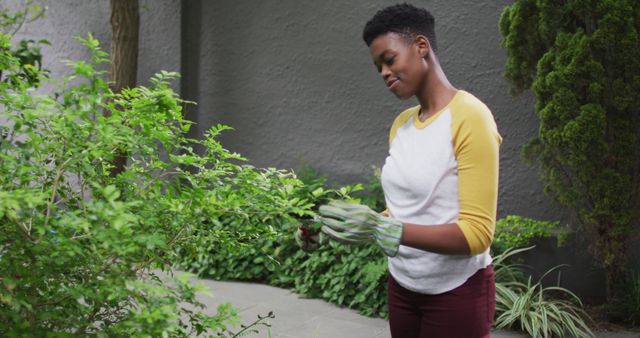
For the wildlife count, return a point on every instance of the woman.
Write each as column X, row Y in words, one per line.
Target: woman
column 440, row 182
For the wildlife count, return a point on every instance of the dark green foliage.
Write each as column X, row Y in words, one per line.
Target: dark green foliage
column 372, row 193
column 353, row 276
column 582, row 61
column 515, row 231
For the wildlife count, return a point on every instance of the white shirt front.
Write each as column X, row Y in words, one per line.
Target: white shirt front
column 420, row 182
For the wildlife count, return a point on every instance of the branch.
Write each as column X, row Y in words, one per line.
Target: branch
column 24, row 17
column 256, row 323
column 56, row 181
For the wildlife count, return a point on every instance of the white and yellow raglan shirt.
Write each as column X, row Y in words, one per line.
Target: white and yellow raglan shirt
column 439, row 171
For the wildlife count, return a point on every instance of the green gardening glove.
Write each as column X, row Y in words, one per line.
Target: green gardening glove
column 357, row 224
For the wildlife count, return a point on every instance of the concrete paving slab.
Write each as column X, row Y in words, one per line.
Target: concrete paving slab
column 355, row 317
column 298, row 317
column 507, row 334
column 618, row 335
column 383, row 334
column 325, row 327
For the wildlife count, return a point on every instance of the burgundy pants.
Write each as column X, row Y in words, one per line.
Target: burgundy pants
column 464, row 312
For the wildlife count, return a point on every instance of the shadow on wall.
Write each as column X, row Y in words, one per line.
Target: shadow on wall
column 581, row 276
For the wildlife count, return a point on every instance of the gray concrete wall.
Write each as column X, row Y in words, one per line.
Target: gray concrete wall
column 159, row 46
column 297, row 83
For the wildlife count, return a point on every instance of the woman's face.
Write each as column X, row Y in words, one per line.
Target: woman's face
column 400, row 62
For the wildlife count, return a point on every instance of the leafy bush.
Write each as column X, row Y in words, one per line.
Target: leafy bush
column 515, row 231
column 257, row 259
column 352, row 276
column 372, row 194
column 537, row 310
column 80, row 248
column 342, row 274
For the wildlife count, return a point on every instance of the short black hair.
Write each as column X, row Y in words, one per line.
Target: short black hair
column 403, row 19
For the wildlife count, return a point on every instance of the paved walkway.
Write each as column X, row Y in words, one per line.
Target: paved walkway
column 297, row 317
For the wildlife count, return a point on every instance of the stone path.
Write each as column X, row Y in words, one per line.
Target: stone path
column 297, row 317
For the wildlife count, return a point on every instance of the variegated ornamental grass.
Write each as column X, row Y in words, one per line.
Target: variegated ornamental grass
column 540, row 311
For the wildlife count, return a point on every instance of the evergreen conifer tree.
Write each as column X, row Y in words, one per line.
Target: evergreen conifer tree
column 581, row 59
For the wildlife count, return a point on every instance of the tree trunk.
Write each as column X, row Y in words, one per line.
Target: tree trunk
column 125, row 23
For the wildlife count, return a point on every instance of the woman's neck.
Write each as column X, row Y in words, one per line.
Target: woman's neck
column 436, row 92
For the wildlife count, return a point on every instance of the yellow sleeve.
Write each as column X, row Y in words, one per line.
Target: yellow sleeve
column 476, row 144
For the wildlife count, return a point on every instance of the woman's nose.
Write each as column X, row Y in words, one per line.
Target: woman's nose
column 385, row 72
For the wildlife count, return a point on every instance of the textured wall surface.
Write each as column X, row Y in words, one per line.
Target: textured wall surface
column 159, row 45
column 297, row 83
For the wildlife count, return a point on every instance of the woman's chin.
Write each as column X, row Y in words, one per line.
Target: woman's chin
column 403, row 96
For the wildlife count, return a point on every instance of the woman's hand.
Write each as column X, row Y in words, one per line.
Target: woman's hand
column 357, row 224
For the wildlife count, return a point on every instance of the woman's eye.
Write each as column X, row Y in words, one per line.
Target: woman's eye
column 389, row 61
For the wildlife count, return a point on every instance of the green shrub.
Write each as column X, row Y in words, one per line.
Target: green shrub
column 352, row 276
column 372, row 194
column 79, row 247
column 342, row 274
column 581, row 60
column 537, row 310
column 515, row 231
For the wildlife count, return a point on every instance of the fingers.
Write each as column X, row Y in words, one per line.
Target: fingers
column 342, row 210
column 349, row 235
column 347, row 222
column 332, row 211
column 348, row 229
column 337, row 225
column 344, row 237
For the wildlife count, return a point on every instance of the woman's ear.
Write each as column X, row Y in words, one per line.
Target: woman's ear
column 424, row 47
